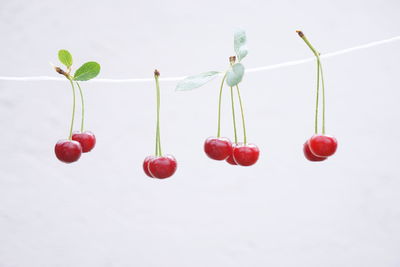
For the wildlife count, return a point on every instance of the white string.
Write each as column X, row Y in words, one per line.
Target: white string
column 264, row 68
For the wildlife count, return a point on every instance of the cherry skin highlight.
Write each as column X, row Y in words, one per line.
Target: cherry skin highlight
column 146, row 163
column 68, row 151
column 218, row 148
column 246, row 154
column 309, row 155
column 323, row 145
column 162, row 167
column 86, row 139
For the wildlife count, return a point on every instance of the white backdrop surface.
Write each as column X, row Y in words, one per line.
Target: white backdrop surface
column 284, row 211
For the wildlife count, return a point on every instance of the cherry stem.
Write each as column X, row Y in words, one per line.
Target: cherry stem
column 73, row 110
column 317, row 100
column 82, row 106
column 233, row 116
column 319, row 69
column 323, row 99
column 158, row 142
column 242, row 113
column 219, row 105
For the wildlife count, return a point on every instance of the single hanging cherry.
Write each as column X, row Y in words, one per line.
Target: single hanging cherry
column 243, row 154
column 87, row 139
column 320, row 146
column 159, row 166
column 218, row 148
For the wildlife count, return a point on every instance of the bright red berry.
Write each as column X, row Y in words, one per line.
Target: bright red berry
column 68, row 150
column 146, row 165
column 246, row 154
column 323, row 145
column 86, row 139
column 162, row 167
column 309, row 155
column 230, row 159
column 218, row 148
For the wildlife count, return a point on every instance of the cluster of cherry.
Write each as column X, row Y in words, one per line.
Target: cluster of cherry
column 318, row 148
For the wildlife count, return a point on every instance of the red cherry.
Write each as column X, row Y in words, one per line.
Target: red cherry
column 146, row 165
column 218, row 148
column 323, row 145
column 309, row 155
column 246, row 155
column 162, row 167
column 86, row 139
column 230, row 159
column 68, row 151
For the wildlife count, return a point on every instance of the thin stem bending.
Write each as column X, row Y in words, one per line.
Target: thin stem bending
column 73, row 110
column 242, row 113
column 219, row 105
column 82, row 106
column 319, row 74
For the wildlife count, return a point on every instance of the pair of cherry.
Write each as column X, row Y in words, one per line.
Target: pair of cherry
column 320, row 147
column 70, row 150
column 221, row 148
column 159, row 166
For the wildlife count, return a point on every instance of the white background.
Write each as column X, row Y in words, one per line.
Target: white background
column 284, row 211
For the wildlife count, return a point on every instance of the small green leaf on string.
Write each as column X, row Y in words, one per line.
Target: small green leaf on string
column 196, row 81
column 240, row 44
column 235, row 75
column 87, row 71
column 65, row 57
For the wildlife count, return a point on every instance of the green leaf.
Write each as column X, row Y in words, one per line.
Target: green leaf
column 240, row 47
column 235, row 74
column 65, row 57
column 196, row 81
column 87, row 71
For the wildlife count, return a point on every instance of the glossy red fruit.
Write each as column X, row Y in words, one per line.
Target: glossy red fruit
column 230, row 159
column 146, row 163
column 162, row 167
column 68, row 150
column 323, row 145
column 246, row 155
column 86, row 139
column 218, row 148
column 309, row 155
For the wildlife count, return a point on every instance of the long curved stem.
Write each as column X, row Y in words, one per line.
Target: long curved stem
column 319, row 69
column 73, row 110
column 242, row 112
column 219, row 105
column 233, row 116
column 158, row 142
column 82, row 106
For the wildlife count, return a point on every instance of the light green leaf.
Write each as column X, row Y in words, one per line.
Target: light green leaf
column 240, row 47
column 65, row 57
column 235, row 74
column 195, row 81
column 87, row 71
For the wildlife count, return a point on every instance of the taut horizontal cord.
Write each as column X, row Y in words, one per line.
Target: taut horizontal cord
column 263, row 68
